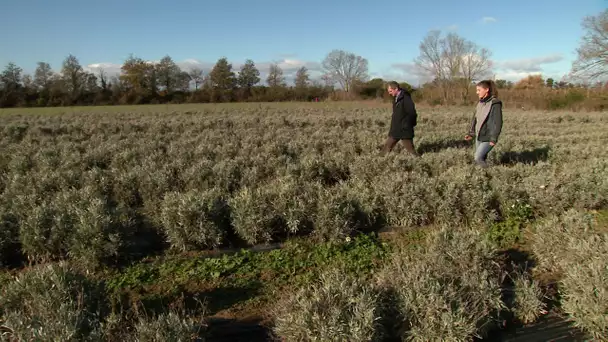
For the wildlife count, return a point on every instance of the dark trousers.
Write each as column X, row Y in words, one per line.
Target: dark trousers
column 408, row 144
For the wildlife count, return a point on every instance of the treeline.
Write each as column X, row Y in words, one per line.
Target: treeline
column 144, row 82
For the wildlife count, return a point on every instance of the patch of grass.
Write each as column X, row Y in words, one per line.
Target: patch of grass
column 298, row 263
column 509, row 232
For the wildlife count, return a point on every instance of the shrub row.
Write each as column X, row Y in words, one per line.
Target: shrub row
column 107, row 219
column 56, row 303
column 447, row 288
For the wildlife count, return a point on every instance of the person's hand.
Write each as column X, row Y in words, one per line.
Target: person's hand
column 468, row 137
column 492, row 143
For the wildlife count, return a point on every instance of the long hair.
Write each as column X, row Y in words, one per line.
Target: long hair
column 490, row 85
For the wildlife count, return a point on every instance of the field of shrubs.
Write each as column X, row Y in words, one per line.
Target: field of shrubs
column 88, row 196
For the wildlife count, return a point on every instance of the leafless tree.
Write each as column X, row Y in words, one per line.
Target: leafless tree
column 592, row 61
column 196, row 75
column 275, row 76
column 452, row 61
column 345, row 68
column 103, row 79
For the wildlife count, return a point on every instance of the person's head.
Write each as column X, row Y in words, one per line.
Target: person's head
column 486, row 88
column 393, row 88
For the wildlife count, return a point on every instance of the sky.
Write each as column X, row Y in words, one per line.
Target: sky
column 524, row 36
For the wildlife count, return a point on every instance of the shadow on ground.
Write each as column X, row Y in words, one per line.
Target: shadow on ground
column 525, row 157
column 224, row 330
column 436, row 146
column 549, row 328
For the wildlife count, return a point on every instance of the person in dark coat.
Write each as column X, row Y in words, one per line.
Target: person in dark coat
column 487, row 122
column 403, row 120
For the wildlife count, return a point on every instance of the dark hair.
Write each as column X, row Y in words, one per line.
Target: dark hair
column 393, row 85
column 490, row 85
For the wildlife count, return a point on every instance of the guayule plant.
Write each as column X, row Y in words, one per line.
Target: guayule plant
column 135, row 156
column 446, row 289
column 195, row 220
column 336, row 307
column 51, row 303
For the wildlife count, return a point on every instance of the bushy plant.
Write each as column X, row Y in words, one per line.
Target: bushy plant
column 51, row 303
column 447, row 289
column 9, row 236
column 168, row 327
column 576, row 248
column 338, row 306
column 528, row 298
column 195, row 219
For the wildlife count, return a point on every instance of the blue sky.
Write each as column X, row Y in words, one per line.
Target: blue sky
column 524, row 36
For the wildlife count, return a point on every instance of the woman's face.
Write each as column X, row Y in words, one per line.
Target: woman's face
column 482, row 92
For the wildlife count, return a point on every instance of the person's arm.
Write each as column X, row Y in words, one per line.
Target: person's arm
column 471, row 133
column 496, row 122
column 408, row 109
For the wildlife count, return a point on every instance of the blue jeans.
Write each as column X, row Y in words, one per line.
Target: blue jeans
column 482, row 148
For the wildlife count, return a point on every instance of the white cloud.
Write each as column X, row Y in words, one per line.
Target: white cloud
column 408, row 72
column 517, row 69
column 452, row 27
column 487, row 20
column 289, row 66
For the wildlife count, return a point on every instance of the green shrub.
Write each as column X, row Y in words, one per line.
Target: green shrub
column 552, row 236
column 447, row 289
column 584, row 285
column 338, row 306
column 195, row 219
column 94, row 236
column 9, row 236
column 528, row 304
column 44, row 228
column 274, row 210
column 168, row 327
column 51, row 303
column 576, row 248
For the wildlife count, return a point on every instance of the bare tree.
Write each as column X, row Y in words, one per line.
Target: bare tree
column 196, row 75
column 592, row 61
column 275, row 76
column 475, row 64
column 452, row 61
column 103, row 79
column 346, row 68
column 43, row 76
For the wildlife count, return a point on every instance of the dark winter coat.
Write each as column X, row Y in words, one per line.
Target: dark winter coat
column 487, row 122
column 404, row 117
